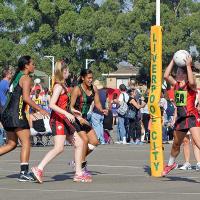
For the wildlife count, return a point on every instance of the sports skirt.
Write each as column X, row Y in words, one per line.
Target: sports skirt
column 184, row 123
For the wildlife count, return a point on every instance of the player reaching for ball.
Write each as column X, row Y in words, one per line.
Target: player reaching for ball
column 187, row 114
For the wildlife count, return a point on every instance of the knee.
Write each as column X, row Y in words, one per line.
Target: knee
column 85, row 141
column 95, row 143
column 176, row 145
column 186, row 142
column 59, row 149
column 78, row 143
column 12, row 145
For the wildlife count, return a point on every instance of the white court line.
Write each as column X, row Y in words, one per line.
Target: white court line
column 101, row 191
column 115, row 166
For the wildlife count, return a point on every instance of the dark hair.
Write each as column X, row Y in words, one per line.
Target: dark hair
column 24, row 60
column 122, row 87
column 5, row 72
column 84, row 73
column 114, row 96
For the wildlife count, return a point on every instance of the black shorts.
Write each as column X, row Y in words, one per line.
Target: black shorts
column 185, row 123
column 82, row 127
column 12, row 129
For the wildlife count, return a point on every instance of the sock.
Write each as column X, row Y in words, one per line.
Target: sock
column 24, row 167
column 84, row 164
column 171, row 160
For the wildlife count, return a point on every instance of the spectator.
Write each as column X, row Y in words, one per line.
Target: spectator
column 135, row 123
column 146, row 118
column 114, row 106
column 97, row 116
column 46, row 100
column 4, row 84
column 123, row 97
column 4, row 87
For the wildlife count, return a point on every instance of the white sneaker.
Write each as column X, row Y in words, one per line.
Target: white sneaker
column 197, row 167
column 118, row 142
column 186, row 166
column 124, row 140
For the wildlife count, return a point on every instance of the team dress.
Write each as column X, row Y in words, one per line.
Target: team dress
column 82, row 104
column 14, row 115
column 59, row 123
column 187, row 113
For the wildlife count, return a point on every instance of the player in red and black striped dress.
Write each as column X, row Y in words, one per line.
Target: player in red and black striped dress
column 82, row 97
column 187, row 114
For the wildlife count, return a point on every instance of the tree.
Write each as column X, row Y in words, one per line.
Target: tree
column 109, row 33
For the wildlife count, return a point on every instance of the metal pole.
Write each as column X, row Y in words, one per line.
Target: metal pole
column 157, row 12
column 86, row 63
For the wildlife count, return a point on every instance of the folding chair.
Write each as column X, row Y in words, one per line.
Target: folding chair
column 42, row 137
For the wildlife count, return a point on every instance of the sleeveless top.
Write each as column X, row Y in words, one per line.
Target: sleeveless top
column 63, row 103
column 84, row 101
column 185, row 100
column 14, row 115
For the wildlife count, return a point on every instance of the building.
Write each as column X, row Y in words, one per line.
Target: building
column 125, row 73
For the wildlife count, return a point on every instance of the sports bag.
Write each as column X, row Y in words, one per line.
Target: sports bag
column 122, row 110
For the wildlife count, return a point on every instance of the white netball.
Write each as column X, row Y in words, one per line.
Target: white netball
column 37, row 81
column 180, row 57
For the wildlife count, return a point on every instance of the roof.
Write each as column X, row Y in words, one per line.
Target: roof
column 124, row 69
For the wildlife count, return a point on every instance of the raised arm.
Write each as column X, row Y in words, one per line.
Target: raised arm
column 191, row 79
column 167, row 74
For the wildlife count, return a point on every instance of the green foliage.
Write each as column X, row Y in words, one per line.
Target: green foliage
column 82, row 29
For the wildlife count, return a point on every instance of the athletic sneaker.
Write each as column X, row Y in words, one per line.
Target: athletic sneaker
column 25, row 176
column 86, row 172
column 84, row 168
column 118, row 142
column 168, row 169
column 82, row 178
column 197, row 167
column 186, row 166
column 38, row 174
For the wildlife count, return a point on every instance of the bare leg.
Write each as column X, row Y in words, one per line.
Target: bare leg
column 195, row 131
column 59, row 141
column 92, row 140
column 178, row 139
column 186, row 148
column 84, row 138
column 24, row 137
column 196, row 152
column 78, row 151
column 11, row 143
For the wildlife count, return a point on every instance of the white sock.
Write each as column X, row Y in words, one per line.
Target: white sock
column 171, row 160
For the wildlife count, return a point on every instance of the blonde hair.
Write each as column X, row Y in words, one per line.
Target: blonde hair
column 59, row 68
